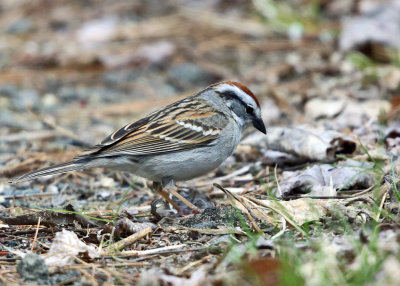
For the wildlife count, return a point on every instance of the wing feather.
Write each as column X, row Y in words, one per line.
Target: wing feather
column 181, row 126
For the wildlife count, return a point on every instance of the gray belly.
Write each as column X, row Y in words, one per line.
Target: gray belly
column 182, row 166
column 179, row 166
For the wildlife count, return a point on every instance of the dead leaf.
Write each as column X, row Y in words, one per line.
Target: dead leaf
column 377, row 27
column 346, row 108
column 301, row 143
column 65, row 247
column 326, row 180
column 301, row 210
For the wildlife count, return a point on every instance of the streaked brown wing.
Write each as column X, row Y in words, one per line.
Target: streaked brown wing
column 180, row 126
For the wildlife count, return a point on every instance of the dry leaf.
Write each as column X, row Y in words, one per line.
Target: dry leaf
column 380, row 25
column 325, row 180
column 66, row 245
column 303, row 143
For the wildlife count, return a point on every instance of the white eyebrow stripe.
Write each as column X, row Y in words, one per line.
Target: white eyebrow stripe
column 243, row 95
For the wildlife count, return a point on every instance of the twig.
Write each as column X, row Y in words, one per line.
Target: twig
column 68, row 281
column 116, row 274
column 29, row 196
column 184, row 200
column 361, row 199
column 190, row 265
column 277, row 183
column 363, row 192
column 84, row 272
column 102, row 265
column 381, row 206
column 36, row 234
column 224, row 230
column 160, row 250
column 281, row 213
column 282, row 231
column 237, row 198
column 91, row 278
column 128, row 240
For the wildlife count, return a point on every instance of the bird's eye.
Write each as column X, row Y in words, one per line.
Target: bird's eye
column 249, row 110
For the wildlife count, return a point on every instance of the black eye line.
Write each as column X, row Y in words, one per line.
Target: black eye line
column 231, row 94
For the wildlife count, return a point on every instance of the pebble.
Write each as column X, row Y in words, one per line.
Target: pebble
column 52, row 189
column 104, row 194
column 49, row 100
column 33, row 270
column 107, row 182
column 20, row 26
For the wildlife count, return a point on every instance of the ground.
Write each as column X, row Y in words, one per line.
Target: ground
column 313, row 202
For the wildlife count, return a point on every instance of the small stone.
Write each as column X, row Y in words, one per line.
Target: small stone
column 52, row 189
column 33, row 270
column 104, row 195
column 20, row 26
column 107, row 182
column 49, row 100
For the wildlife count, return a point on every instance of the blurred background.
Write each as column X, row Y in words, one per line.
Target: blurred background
column 71, row 72
column 327, row 75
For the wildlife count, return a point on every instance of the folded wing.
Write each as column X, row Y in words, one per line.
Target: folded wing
column 181, row 126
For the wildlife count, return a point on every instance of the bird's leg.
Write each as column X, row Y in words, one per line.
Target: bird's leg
column 170, row 187
column 159, row 189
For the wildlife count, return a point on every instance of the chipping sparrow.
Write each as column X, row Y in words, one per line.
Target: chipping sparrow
column 179, row 142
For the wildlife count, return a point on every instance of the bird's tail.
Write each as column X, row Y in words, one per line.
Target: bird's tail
column 73, row 165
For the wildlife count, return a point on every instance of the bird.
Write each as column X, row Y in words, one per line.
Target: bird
column 178, row 142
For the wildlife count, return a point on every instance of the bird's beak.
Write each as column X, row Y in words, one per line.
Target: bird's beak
column 259, row 125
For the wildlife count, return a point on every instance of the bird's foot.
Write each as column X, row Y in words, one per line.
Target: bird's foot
column 172, row 190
